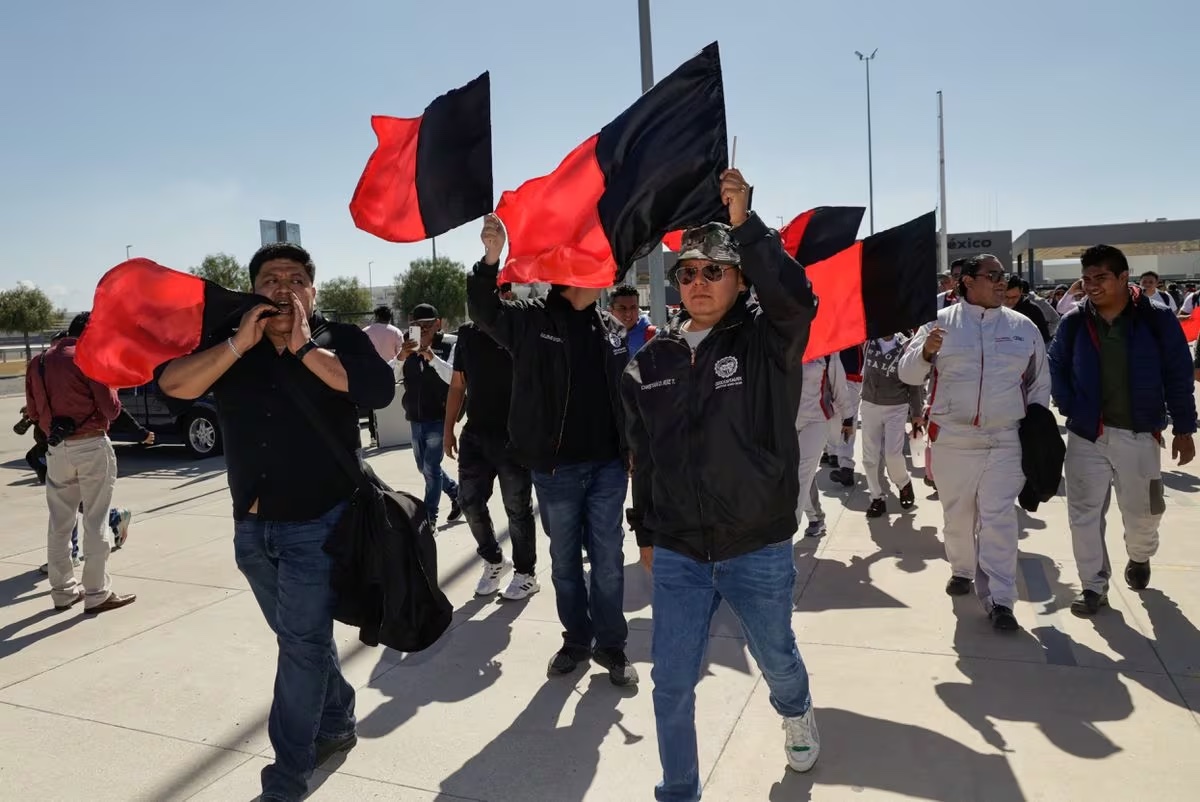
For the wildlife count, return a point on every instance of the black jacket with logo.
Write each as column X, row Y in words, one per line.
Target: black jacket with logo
column 425, row 392
column 535, row 333
column 712, row 432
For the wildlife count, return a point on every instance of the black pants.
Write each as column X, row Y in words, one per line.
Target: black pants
column 481, row 460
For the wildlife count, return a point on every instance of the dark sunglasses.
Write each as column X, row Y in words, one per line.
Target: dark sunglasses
column 712, row 273
column 994, row 276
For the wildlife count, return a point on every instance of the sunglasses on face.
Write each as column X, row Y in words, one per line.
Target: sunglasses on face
column 994, row 276
column 712, row 273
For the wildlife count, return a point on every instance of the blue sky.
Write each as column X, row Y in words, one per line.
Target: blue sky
column 175, row 127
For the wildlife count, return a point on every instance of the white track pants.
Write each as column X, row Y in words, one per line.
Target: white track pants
column 979, row 476
column 883, row 440
column 1130, row 463
column 812, row 438
column 834, row 446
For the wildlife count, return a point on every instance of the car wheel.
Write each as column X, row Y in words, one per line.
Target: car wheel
column 202, row 434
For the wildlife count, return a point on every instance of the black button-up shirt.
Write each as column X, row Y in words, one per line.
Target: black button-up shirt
column 273, row 452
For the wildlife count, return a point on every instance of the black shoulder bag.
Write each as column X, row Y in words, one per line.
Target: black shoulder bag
column 384, row 554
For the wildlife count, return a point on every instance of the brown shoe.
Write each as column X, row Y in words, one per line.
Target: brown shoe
column 113, row 601
column 78, row 598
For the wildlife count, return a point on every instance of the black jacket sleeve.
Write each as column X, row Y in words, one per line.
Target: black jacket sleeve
column 503, row 321
column 784, row 292
column 638, row 440
column 370, row 380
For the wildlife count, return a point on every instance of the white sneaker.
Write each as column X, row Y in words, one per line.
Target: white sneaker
column 802, row 743
column 522, row 586
column 489, row 583
column 815, row 529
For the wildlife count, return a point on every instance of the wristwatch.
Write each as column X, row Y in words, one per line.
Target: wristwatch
column 303, row 350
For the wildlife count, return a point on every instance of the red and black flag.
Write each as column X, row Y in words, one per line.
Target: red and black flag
column 879, row 286
column 655, row 168
column 431, row 173
column 144, row 314
column 819, row 233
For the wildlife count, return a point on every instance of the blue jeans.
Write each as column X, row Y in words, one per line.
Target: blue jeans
column 427, row 450
column 758, row 588
column 583, row 504
column 288, row 572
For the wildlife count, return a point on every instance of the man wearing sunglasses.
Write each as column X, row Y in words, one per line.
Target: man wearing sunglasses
column 988, row 363
column 710, row 405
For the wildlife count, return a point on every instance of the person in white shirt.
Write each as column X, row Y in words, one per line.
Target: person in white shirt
column 988, row 364
column 1150, row 288
column 824, row 394
column 387, row 339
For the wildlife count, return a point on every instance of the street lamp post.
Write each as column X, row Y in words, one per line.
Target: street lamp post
column 370, row 282
column 870, row 158
column 654, row 260
column 127, row 247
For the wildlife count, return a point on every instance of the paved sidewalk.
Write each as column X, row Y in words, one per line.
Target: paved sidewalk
column 917, row 698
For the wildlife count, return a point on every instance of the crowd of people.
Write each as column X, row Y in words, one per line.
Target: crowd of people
column 704, row 436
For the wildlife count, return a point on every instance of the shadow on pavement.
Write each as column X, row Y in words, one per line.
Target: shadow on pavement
column 536, row 758
column 860, row 752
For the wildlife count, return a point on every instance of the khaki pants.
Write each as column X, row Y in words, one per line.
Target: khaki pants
column 883, row 441
column 812, row 437
column 979, row 476
column 1129, row 463
column 79, row 471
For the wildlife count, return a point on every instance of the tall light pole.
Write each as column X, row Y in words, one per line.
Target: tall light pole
column 127, row 247
column 870, row 157
column 434, row 241
column 370, row 282
column 943, row 250
column 654, row 260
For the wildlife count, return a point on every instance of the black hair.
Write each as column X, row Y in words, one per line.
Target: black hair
column 622, row 291
column 1108, row 257
column 970, row 266
column 78, row 324
column 1150, row 273
column 1025, row 287
column 959, row 262
column 1014, row 283
column 383, row 314
column 506, row 287
column 281, row 250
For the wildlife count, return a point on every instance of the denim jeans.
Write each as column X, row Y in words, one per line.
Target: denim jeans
column 481, row 460
column 288, row 572
column 427, row 450
column 758, row 588
column 583, row 503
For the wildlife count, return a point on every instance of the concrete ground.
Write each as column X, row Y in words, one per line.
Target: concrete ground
column 916, row 696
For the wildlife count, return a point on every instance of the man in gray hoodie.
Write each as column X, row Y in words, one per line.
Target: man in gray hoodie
column 887, row 404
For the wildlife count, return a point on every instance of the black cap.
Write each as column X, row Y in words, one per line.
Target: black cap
column 424, row 312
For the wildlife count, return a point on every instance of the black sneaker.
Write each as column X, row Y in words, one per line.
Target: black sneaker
column 1089, row 603
column 833, row 462
column 327, row 748
column 1003, row 619
column 958, row 586
column 620, row 671
column 824, row 459
column 907, row 497
column 1137, row 575
column 455, row 511
column 566, row 660
column 877, row 509
column 843, row 476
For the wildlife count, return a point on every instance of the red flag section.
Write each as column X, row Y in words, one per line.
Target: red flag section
column 1191, row 326
column 822, row 232
column 879, row 286
column 144, row 314
column 654, row 168
column 431, row 173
